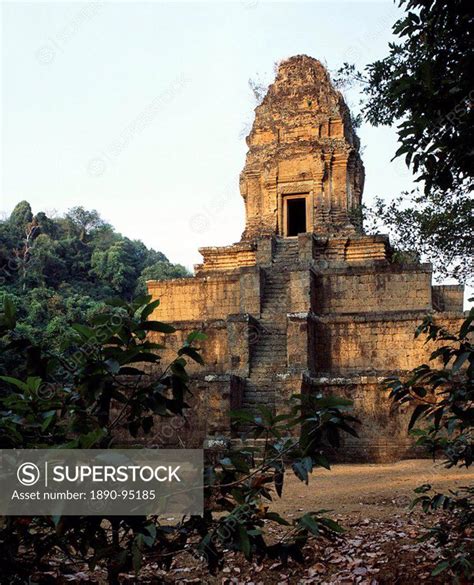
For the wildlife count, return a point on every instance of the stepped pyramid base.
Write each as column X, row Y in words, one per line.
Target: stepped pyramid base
column 325, row 311
column 316, row 313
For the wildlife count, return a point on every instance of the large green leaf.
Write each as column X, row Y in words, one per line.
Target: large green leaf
column 157, row 326
column 148, row 309
column 192, row 353
column 15, row 382
column 195, row 336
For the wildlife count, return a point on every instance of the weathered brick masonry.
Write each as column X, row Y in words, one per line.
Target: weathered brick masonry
column 306, row 301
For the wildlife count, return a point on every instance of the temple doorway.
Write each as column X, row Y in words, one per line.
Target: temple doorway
column 295, row 216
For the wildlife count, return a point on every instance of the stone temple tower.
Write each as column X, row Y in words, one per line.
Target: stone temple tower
column 305, row 302
column 303, row 171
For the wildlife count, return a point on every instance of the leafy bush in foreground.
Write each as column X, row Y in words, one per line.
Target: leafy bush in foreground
column 108, row 378
column 444, row 401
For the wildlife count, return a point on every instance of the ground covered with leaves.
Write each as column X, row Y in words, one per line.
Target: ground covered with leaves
column 380, row 544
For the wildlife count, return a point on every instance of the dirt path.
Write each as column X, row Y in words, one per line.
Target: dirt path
column 380, row 545
column 367, row 491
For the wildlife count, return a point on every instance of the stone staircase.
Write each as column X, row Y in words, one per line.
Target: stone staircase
column 268, row 352
column 286, row 253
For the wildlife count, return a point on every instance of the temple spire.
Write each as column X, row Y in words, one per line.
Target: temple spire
column 303, row 171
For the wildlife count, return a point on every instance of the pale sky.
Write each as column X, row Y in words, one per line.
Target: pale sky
column 140, row 110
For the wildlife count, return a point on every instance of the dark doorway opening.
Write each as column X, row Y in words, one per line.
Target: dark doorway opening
column 296, row 216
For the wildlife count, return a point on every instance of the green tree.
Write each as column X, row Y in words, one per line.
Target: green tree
column 49, row 226
column 82, row 222
column 424, row 86
column 118, row 267
column 46, row 267
column 442, row 396
column 20, row 216
column 78, row 259
column 99, row 389
column 160, row 271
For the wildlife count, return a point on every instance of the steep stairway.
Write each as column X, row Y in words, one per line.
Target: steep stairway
column 268, row 352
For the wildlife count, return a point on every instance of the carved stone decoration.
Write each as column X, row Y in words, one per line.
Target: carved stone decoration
column 304, row 303
column 302, row 135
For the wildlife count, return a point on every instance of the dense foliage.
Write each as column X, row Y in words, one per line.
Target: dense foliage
column 109, row 378
column 424, row 85
column 443, row 395
column 59, row 270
